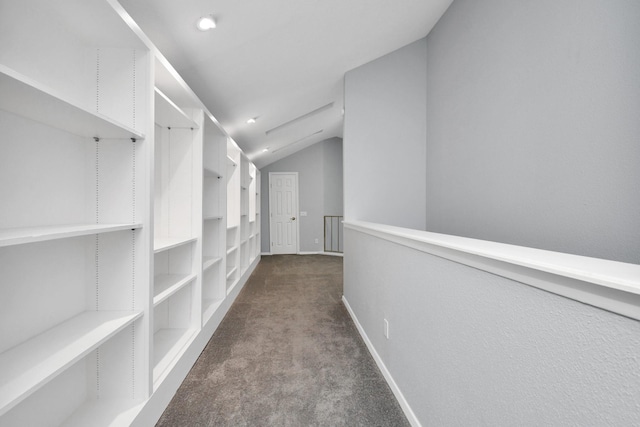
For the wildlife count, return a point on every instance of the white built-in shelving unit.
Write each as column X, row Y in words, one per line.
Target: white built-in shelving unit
column 73, row 235
column 254, row 217
column 214, row 216
column 120, row 223
column 233, row 215
column 245, row 185
column 177, row 229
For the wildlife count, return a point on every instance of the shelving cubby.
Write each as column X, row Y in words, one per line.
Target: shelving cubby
column 213, row 238
column 245, row 184
column 252, row 200
column 178, row 227
column 74, row 239
column 234, row 214
column 174, row 327
column 232, row 272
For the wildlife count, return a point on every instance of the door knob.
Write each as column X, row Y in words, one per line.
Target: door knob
column 293, row 218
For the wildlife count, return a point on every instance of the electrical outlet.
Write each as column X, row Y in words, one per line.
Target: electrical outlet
column 316, row 240
column 386, row 328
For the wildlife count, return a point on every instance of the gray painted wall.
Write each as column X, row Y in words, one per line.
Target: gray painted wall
column 532, row 138
column 333, row 177
column 319, row 189
column 384, row 139
column 469, row 348
column 534, row 125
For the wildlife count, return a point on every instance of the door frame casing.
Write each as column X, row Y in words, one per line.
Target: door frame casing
column 296, row 210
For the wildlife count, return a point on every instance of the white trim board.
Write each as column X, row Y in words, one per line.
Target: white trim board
column 338, row 254
column 610, row 285
column 408, row 412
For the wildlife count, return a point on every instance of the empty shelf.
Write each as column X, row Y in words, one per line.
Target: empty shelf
column 104, row 412
column 18, row 236
column 166, row 243
column 168, row 114
column 209, row 307
column 28, row 366
column 166, row 285
column 209, row 172
column 209, row 262
column 167, row 346
column 25, row 97
column 231, row 271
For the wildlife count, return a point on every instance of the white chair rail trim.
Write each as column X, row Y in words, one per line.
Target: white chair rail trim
column 610, row 285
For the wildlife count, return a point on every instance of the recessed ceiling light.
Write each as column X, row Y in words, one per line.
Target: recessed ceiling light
column 206, row 23
column 251, row 120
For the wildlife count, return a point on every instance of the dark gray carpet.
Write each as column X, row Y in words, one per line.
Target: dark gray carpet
column 286, row 354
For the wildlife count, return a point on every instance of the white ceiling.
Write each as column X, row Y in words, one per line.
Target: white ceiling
column 278, row 60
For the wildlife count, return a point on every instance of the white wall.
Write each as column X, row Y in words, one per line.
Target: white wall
column 318, row 186
column 469, row 348
column 534, row 123
column 384, row 139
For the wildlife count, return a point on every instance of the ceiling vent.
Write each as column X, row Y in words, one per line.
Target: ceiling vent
column 302, row 117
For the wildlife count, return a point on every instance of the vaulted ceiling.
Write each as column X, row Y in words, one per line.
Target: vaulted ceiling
column 281, row 62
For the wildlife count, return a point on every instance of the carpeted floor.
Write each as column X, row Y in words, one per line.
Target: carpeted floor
column 286, row 354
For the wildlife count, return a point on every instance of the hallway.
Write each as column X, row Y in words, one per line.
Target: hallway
column 286, row 354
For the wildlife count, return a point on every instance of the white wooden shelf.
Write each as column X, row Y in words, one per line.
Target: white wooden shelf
column 168, row 345
column 108, row 82
column 166, row 285
column 27, row 98
column 30, row 365
column 231, row 271
column 104, row 412
column 22, row 235
column 210, row 306
column 166, row 243
column 208, row 172
column 231, row 249
column 231, row 284
column 209, row 262
column 169, row 115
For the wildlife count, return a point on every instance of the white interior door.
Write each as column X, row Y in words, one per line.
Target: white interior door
column 283, row 212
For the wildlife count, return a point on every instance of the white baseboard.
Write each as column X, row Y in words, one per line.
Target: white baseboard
column 310, row 253
column 340, row 254
column 408, row 412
